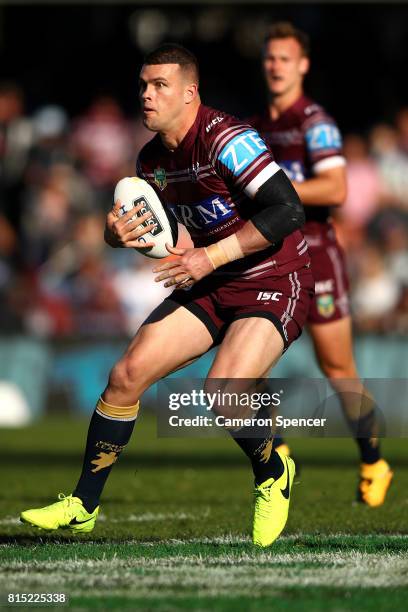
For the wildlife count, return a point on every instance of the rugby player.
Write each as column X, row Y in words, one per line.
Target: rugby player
column 306, row 142
column 220, row 180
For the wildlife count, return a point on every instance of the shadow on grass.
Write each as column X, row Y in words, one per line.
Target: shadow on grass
column 172, row 459
column 374, row 543
column 31, row 540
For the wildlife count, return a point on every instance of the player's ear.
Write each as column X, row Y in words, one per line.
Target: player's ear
column 304, row 65
column 190, row 92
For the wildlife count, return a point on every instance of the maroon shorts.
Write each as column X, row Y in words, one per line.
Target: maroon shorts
column 218, row 301
column 330, row 301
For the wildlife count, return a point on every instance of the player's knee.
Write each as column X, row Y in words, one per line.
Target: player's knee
column 335, row 371
column 127, row 374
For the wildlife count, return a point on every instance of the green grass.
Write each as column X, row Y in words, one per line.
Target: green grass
column 175, row 524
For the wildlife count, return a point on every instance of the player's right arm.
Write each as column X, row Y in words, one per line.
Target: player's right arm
column 125, row 231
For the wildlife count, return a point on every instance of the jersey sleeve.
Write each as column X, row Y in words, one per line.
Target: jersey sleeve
column 323, row 142
column 240, row 156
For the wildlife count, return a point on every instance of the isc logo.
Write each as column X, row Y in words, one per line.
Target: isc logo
column 269, row 296
column 145, row 209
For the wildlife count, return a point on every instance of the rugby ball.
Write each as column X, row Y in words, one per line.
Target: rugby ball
column 132, row 191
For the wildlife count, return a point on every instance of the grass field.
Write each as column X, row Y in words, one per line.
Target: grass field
column 175, row 524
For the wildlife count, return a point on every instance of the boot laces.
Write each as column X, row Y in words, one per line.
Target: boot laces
column 69, row 502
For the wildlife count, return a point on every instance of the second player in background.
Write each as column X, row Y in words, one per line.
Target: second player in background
column 307, row 144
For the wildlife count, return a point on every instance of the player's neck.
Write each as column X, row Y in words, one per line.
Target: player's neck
column 172, row 137
column 279, row 104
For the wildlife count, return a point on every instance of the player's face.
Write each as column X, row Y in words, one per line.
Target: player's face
column 162, row 91
column 284, row 65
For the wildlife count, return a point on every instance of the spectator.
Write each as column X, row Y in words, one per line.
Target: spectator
column 102, row 142
column 375, row 294
column 130, row 283
column 392, row 164
column 16, row 138
column 364, row 191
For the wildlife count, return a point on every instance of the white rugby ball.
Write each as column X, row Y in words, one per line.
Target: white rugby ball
column 132, row 191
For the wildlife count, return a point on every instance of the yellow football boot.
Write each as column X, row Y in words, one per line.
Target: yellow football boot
column 375, row 479
column 67, row 513
column 272, row 505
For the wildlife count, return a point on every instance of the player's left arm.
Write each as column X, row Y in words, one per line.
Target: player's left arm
column 328, row 185
column 277, row 212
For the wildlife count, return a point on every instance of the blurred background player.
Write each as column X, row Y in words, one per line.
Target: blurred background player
column 220, row 180
column 307, row 144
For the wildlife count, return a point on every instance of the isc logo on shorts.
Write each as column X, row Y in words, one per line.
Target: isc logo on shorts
column 267, row 296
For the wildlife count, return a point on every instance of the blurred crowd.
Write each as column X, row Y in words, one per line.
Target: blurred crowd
column 57, row 176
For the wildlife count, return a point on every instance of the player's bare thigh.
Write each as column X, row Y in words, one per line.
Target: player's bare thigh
column 157, row 349
column 251, row 347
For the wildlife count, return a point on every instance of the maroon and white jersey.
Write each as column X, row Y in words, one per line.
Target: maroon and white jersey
column 209, row 182
column 304, row 140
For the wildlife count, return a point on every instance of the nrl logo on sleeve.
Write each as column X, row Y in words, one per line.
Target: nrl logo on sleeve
column 160, row 178
column 325, row 305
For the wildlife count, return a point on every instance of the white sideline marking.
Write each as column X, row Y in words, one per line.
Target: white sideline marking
column 238, row 574
column 207, row 574
column 147, row 517
column 10, row 520
column 133, row 518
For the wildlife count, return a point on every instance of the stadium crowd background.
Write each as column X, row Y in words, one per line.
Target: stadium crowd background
column 65, row 140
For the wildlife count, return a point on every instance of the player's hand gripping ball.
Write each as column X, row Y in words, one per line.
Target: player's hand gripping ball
column 139, row 220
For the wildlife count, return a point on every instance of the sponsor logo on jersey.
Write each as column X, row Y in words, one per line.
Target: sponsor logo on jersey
column 204, row 214
column 241, row 151
column 325, row 305
column 160, row 178
column 213, row 122
column 323, row 136
column 269, row 296
column 294, row 170
column 153, row 219
column 325, row 286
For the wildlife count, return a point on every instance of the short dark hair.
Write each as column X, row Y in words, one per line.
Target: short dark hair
column 172, row 53
column 285, row 29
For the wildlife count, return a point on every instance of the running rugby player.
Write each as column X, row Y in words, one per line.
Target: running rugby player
column 219, row 178
column 306, row 142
